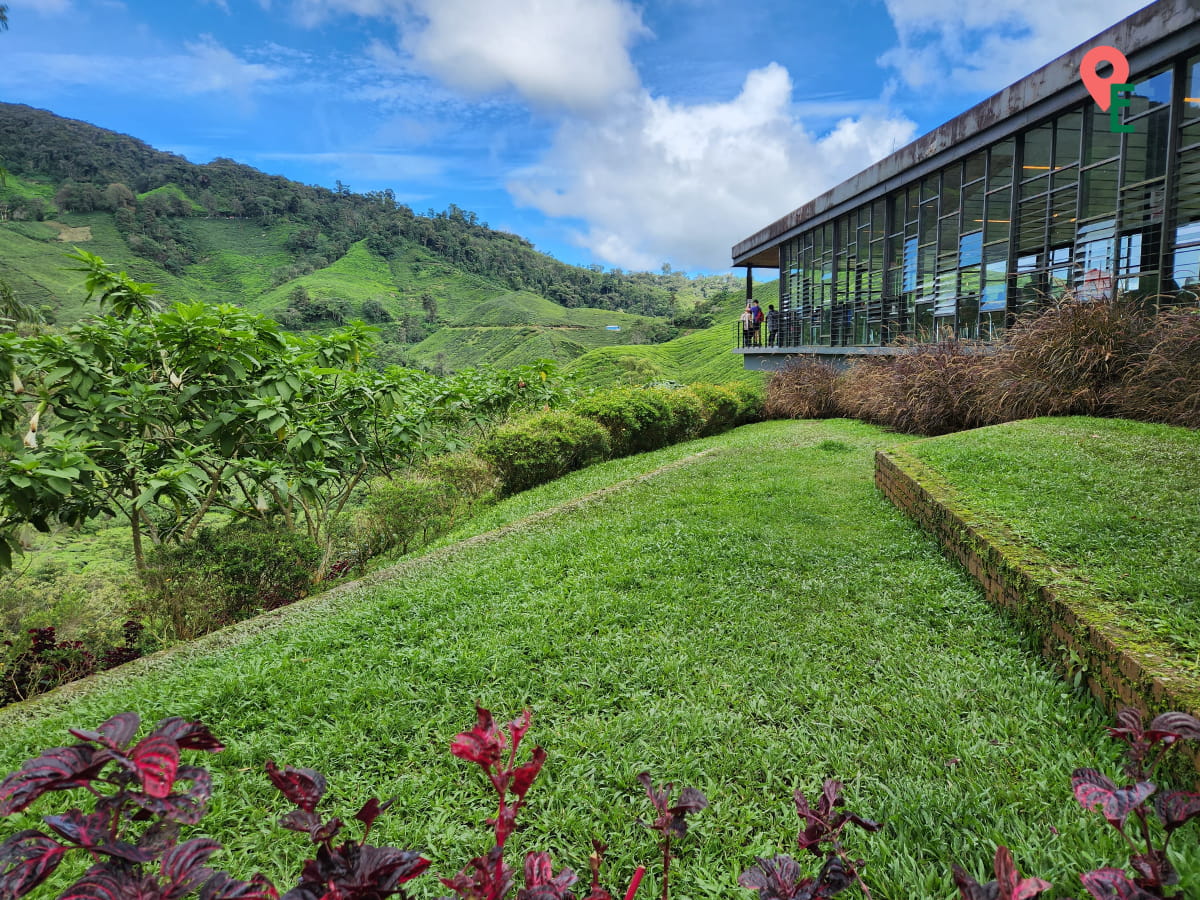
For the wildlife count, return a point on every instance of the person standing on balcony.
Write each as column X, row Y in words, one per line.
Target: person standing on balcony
column 748, row 327
column 757, row 313
column 772, row 325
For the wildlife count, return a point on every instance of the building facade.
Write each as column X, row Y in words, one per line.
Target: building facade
column 1028, row 195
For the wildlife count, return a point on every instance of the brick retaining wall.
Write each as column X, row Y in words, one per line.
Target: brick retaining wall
column 1072, row 628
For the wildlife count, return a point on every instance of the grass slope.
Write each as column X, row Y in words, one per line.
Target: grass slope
column 703, row 355
column 800, row 627
column 1112, row 506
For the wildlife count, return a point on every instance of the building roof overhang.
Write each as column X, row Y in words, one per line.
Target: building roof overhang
column 1149, row 36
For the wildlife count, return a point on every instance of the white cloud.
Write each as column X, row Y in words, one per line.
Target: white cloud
column 949, row 44
column 222, row 5
column 569, row 54
column 656, row 181
column 206, row 67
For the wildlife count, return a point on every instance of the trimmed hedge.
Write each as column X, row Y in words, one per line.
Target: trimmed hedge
column 636, row 420
column 722, row 407
column 539, row 448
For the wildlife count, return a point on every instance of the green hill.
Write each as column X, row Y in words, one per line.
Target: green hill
column 703, row 355
column 447, row 290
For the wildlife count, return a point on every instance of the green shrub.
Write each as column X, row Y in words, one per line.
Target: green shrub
column 224, row 575
column 751, row 402
column 721, row 406
column 687, row 414
column 539, row 448
column 404, row 511
column 471, row 477
column 636, row 419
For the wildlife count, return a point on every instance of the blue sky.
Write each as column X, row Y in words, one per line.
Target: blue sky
column 605, row 131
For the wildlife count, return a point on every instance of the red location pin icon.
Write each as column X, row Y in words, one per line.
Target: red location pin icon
column 1099, row 87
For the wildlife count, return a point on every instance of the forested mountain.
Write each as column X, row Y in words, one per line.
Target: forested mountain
column 306, row 254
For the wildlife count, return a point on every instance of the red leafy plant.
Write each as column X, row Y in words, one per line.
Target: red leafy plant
column 353, row 870
column 1145, row 817
column 142, row 796
column 780, row 878
column 671, row 821
column 489, row 877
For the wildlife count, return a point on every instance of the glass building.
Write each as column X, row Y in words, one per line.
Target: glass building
column 1028, row 195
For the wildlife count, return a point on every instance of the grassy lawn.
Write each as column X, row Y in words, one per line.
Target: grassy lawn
column 1112, row 506
column 751, row 621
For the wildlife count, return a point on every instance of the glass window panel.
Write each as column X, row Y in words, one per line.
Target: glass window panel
column 995, row 286
column 928, row 227
column 878, row 219
column 1062, row 217
column 1191, row 99
column 1094, row 260
column 1100, row 142
column 1187, row 189
column 973, row 167
column 1129, row 253
column 1065, row 177
column 1188, row 234
column 1100, row 190
column 948, row 234
column 1000, row 168
column 923, row 321
column 1150, row 92
column 876, row 257
column 1032, row 224
column 1187, row 268
column 926, row 265
column 1037, row 150
column 972, row 207
column 998, row 211
column 970, row 249
column 1190, row 133
column 895, row 207
column 1060, row 271
column 912, row 204
column 1142, row 206
column 910, row 265
column 951, row 184
column 1146, row 150
column 929, row 187
column 1066, row 139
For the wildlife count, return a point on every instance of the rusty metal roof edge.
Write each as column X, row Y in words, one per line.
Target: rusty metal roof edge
column 1133, row 34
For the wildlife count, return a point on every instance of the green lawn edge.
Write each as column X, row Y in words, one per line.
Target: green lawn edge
column 983, row 533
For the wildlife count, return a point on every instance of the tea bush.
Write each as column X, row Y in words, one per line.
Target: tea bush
column 539, row 448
